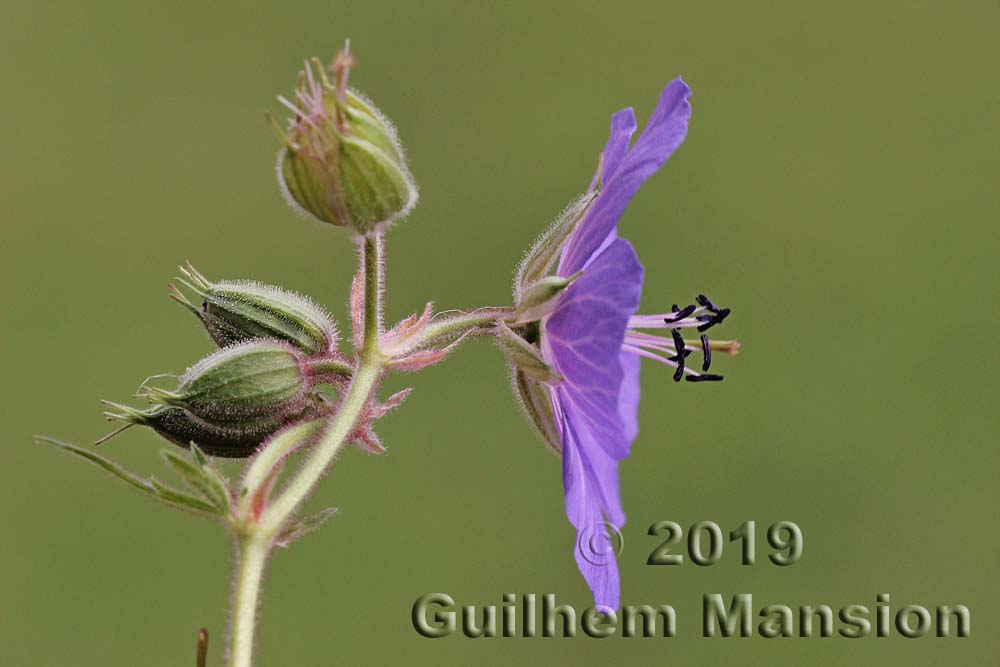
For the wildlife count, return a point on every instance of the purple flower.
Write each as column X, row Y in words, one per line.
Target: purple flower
column 590, row 337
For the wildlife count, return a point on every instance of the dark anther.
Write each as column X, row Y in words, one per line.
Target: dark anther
column 679, row 314
column 678, row 339
column 706, row 351
column 705, row 377
column 681, row 354
column 707, row 303
column 712, row 320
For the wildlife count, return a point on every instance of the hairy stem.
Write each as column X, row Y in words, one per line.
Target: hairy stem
column 372, row 260
column 257, row 536
column 251, row 557
column 447, row 328
column 324, row 452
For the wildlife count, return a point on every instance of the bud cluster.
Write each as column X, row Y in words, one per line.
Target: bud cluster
column 277, row 349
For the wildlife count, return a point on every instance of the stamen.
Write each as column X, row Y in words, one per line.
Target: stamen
column 679, row 314
column 680, row 370
column 711, row 320
column 678, row 339
column 704, row 377
column 702, row 316
column 683, row 354
column 706, row 302
column 679, row 346
column 665, row 321
column 650, row 355
column 648, row 340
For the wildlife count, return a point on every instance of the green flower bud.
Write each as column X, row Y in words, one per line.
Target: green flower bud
column 237, row 311
column 265, row 379
column 180, row 427
column 342, row 162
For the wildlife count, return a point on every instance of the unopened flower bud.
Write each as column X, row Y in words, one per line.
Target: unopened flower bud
column 265, row 379
column 234, row 440
column 540, row 298
column 342, row 162
column 177, row 425
column 238, row 311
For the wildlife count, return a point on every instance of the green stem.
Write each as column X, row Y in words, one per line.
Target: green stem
column 330, row 368
column 262, row 466
column 256, row 535
column 481, row 322
column 324, row 452
column 251, row 556
column 372, row 260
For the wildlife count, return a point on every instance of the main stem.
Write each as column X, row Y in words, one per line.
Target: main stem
column 256, row 538
column 251, row 557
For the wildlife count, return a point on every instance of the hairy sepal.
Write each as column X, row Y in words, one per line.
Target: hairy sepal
column 541, row 257
column 525, row 356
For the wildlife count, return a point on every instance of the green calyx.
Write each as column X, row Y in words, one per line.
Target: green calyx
column 180, row 427
column 541, row 297
column 342, row 162
column 525, row 356
column 253, row 380
column 534, row 400
column 239, row 311
column 233, row 440
column 541, row 259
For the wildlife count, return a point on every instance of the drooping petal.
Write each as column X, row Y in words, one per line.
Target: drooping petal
column 590, row 480
column 582, row 339
column 628, row 394
column 663, row 133
column 596, row 485
column 603, row 580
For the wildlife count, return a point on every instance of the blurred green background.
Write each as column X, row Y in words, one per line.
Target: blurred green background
column 837, row 189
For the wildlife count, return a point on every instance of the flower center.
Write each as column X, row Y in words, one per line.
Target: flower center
column 674, row 351
column 531, row 332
